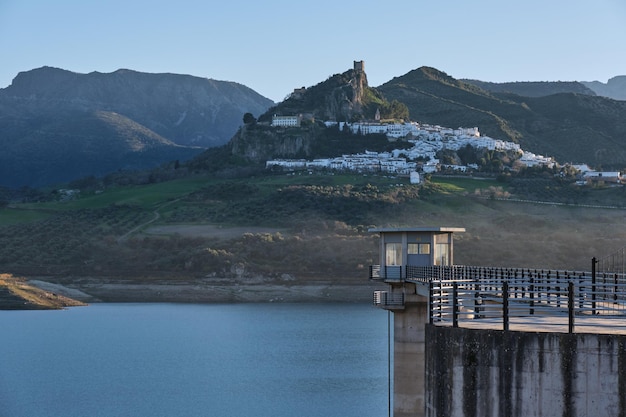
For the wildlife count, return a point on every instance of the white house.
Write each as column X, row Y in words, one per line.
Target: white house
column 594, row 176
column 530, row 159
column 431, row 166
column 286, row 121
column 287, row 163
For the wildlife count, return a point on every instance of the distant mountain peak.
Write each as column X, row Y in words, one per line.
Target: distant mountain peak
column 214, row 109
column 134, row 119
column 614, row 88
column 424, row 74
column 340, row 97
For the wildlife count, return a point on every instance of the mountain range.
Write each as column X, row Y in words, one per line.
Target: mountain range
column 567, row 121
column 56, row 125
column 569, row 125
column 614, row 88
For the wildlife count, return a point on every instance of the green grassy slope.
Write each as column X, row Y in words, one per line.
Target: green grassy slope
column 314, row 227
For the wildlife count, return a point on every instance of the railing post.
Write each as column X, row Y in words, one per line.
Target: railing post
column 478, row 301
column 440, row 304
column 558, row 290
column 581, row 291
column 505, row 305
column 532, row 293
column 594, row 261
column 548, row 287
column 455, row 305
column 430, row 302
column 570, row 306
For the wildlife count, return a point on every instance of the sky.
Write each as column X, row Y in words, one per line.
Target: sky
column 274, row 46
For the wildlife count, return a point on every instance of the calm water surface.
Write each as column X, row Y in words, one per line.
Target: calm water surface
column 194, row 360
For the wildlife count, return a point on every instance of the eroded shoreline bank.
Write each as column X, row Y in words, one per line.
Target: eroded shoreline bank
column 94, row 291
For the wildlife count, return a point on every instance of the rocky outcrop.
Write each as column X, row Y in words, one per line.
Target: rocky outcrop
column 260, row 143
column 342, row 97
column 346, row 101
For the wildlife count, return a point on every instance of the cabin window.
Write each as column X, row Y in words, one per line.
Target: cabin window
column 393, row 254
column 442, row 254
column 418, row 249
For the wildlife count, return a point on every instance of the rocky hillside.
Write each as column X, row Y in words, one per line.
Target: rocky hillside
column 342, row 97
column 57, row 125
column 566, row 121
column 254, row 144
column 568, row 126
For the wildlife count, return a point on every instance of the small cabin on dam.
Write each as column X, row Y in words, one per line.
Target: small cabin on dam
column 406, row 256
column 403, row 248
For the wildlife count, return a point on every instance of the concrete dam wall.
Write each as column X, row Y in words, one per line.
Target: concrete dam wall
column 492, row 373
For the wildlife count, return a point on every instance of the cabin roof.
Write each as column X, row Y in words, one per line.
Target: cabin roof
column 416, row 229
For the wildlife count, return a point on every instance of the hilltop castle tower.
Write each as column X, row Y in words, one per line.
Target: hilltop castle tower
column 359, row 66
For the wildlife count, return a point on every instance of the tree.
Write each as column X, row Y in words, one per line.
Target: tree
column 468, row 154
column 394, row 110
column 249, row 119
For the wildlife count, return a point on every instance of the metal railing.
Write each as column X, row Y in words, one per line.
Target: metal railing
column 571, row 304
column 604, row 286
column 388, row 273
column 388, row 299
column 612, row 263
column 525, row 297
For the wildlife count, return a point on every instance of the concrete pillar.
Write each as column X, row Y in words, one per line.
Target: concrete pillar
column 409, row 358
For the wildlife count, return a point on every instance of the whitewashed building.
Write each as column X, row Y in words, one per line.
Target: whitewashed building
column 286, row 121
column 530, row 160
column 427, row 140
column 287, row 163
column 596, row 177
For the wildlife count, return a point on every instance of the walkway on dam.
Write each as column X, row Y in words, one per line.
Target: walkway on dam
column 512, row 299
column 552, row 324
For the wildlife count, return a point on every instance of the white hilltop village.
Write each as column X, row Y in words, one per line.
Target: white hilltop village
column 427, row 140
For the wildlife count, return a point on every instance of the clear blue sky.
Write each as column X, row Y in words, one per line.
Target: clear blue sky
column 276, row 45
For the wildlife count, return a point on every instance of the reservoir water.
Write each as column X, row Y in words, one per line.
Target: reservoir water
column 188, row 360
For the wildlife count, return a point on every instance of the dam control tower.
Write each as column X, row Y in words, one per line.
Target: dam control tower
column 403, row 251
